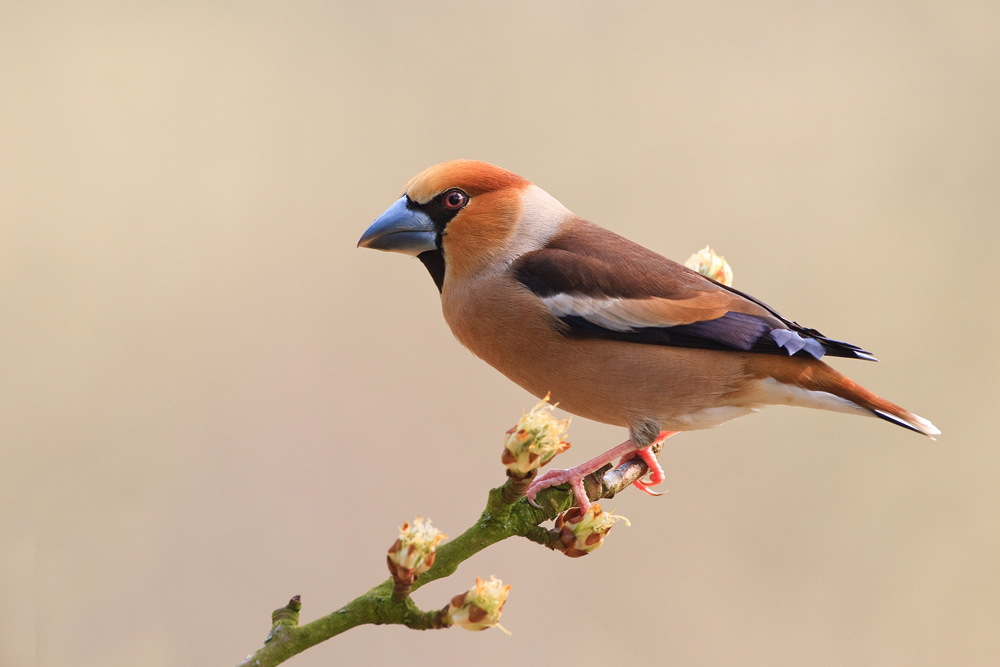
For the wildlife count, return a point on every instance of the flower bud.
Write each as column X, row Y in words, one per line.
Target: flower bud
column 479, row 607
column 707, row 263
column 413, row 552
column 582, row 532
column 535, row 440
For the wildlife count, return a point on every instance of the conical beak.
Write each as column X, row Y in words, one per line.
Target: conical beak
column 401, row 229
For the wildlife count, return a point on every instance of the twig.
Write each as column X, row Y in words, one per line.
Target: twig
column 506, row 514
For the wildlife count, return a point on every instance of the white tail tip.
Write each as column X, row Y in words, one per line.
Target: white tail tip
column 913, row 422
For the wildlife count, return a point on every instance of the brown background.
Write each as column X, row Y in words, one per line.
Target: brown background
column 214, row 401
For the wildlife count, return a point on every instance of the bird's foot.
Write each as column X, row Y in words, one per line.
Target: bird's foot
column 656, row 474
column 575, row 476
column 558, row 476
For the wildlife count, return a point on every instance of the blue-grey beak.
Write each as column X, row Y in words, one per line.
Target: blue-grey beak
column 401, row 229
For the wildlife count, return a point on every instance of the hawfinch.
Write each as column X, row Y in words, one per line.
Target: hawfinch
column 612, row 331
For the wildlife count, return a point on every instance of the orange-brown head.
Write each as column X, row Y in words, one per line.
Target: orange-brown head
column 463, row 216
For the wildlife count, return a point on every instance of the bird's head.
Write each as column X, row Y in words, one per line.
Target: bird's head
column 465, row 216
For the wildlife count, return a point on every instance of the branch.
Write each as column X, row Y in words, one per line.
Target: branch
column 507, row 514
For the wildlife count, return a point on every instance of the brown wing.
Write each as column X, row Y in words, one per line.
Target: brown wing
column 599, row 284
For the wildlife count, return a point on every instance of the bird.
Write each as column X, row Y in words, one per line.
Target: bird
column 610, row 330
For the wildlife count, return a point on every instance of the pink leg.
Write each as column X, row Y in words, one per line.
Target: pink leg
column 575, row 476
column 627, row 450
column 656, row 475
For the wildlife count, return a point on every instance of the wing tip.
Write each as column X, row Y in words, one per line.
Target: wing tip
column 817, row 345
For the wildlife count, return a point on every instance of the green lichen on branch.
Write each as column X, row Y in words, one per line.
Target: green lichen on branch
column 502, row 518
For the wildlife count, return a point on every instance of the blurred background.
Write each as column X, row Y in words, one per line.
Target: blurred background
column 213, row 401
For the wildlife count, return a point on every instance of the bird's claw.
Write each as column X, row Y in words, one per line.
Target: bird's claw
column 555, row 477
column 656, row 474
column 542, row 482
column 644, row 487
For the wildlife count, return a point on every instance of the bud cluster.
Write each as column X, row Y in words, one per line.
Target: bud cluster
column 583, row 532
column 535, row 440
column 413, row 552
column 479, row 607
column 707, row 263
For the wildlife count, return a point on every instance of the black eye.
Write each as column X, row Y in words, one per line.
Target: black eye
column 455, row 199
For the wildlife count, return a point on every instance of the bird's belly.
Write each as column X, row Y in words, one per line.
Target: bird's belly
column 707, row 417
column 613, row 382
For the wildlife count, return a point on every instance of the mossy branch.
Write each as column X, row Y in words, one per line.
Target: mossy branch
column 507, row 514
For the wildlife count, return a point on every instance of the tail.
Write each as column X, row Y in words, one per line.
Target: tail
column 814, row 384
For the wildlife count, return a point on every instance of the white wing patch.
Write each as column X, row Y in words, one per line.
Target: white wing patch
column 616, row 314
column 628, row 315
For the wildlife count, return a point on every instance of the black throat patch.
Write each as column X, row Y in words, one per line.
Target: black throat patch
column 440, row 215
